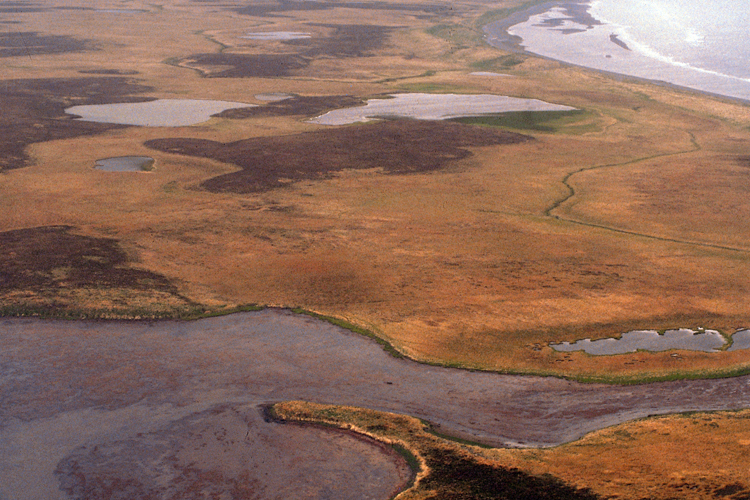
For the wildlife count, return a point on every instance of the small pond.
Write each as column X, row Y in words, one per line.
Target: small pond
column 273, row 96
column 277, row 35
column 489, row 73
column 125, row 164
column 434, row 107
column 158, row 113
column 651, row 340
column 121, row 11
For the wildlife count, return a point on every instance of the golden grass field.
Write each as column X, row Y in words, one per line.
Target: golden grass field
column 631, row 215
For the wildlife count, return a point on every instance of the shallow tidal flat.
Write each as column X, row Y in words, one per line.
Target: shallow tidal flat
column 175, row 405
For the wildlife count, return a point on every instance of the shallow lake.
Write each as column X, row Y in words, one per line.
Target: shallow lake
column 125, row 164
column 70, row 387
column 434, row 107
column 158, row 113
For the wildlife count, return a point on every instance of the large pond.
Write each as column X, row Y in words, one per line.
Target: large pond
column 158, row 113
column 651, row 340
column 146, row 397
column 125, row 164
column 435, row 107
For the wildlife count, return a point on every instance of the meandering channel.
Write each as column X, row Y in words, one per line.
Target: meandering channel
column 67, row 387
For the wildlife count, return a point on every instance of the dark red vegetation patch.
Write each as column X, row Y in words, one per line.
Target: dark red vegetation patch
column 31, row 43
column 34, row 111
column 46, row 259
column 395, row 147
column 275, row 8
column 225, row 65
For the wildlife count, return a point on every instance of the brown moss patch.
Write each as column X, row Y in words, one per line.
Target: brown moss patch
column 34, row 111
column 395, row 147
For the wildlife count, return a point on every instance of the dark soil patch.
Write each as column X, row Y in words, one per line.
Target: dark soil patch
column 223, row 65
column 732, row 489
column 20, row 7
column 295, row 106
column 345, row 41
column 34, row 111
column 396, row 147
column 30, row 43
column 350, row 40
column 43, row 260
column 108, row 72
column 456, row 477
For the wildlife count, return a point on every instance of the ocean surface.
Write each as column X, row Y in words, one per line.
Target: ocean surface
column 703, row 45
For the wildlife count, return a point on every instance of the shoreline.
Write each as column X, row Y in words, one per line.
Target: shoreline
column 498, row 36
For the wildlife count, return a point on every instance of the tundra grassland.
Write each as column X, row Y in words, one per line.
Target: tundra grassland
column 631, row 214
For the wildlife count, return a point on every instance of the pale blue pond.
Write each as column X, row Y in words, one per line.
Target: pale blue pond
column 649, row 340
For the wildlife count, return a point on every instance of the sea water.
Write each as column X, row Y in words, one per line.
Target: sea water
column 695, row 44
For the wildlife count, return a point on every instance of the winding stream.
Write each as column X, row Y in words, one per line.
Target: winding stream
column 68, row 387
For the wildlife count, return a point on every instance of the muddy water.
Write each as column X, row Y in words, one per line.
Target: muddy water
column 68, row 387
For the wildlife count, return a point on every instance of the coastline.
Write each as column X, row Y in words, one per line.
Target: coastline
column 498, row 34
